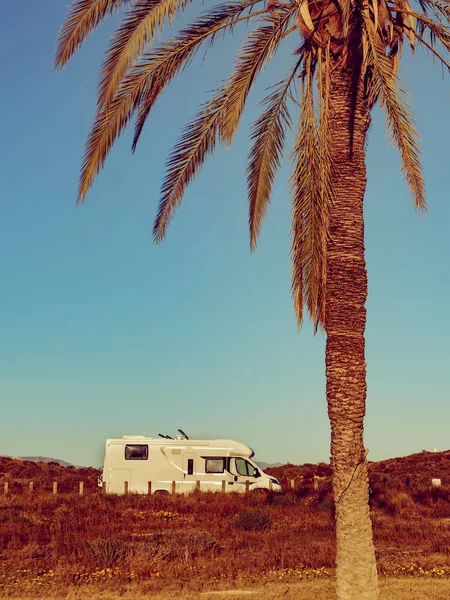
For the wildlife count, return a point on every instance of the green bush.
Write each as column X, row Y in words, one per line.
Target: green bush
column 253, row 519
column 108, row 553
column 286, row 499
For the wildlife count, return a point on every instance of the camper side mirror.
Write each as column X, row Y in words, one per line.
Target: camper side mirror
column 256, row 473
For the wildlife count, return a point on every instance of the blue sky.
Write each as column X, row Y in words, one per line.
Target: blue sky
column 104, row 333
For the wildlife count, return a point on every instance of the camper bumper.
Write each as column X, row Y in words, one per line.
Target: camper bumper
column 268, row 483
column 275, row 484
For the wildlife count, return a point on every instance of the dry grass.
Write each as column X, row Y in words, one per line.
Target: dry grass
column 72, row 546
column 391, row 589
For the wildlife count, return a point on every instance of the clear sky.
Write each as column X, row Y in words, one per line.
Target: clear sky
column 105, row 334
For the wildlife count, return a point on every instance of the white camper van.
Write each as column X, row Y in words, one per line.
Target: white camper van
column 136, row 463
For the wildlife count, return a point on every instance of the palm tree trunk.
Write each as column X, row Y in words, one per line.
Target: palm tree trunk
column 345, row 321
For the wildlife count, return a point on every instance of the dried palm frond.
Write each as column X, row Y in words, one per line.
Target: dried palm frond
column 324, row 183
column 258, row 50
column 83, row 18
column 309, row 211
column 409, row 22
column 304, row 20
column 433, row 50
column 440, row 9
column 140, row 25
column 268, row 135
column 303, row 191
column 436, row 31
column 198, row 140
column 345, row 7
column 151, row 75
column 399, row 118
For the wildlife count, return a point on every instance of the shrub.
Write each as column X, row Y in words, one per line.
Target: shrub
column 260, row 497
column 326, row 504
column 177, row 544
column 108, row 552
column 287, row 499
column 442, row 547
column 387, row 503
column 253, row 519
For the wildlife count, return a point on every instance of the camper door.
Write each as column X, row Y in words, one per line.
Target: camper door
column 189, row 471
column 243, row 471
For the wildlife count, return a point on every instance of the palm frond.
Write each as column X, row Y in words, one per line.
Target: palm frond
column 325, row 172
column 309, row 212
column 147, row 80
column 140, row 24
column 177, row 53
column 409, row 25
column 345, row 7
column 83, row 18
column 399, row 118
column 197, row 141
column 268, row 135
column 440, row 9
column 306, row 25
column 258, row 49
column 432, row 49
column 303, row 188
column 436, row 30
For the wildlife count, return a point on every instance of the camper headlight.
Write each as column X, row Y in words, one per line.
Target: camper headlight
column 273, row 480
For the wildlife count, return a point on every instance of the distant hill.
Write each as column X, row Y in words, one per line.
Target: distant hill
column 46, row 459
column 416, row 469
column 265, row 465
column 19, row 471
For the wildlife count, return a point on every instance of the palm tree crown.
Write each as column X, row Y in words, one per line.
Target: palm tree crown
column 364, row 35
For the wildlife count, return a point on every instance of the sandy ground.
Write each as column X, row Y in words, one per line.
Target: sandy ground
column 390, row 589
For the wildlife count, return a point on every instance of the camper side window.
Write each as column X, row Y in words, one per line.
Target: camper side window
column 136, row 452
column 214, row 465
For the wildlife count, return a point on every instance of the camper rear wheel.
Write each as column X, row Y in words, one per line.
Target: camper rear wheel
column 161, row 492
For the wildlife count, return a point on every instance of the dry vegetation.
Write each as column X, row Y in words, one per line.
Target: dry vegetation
column 391, row 589
column 54, row 545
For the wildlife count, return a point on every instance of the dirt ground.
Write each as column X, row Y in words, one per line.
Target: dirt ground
column 390, row 589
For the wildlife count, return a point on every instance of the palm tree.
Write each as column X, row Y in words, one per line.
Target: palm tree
column 346, row 62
